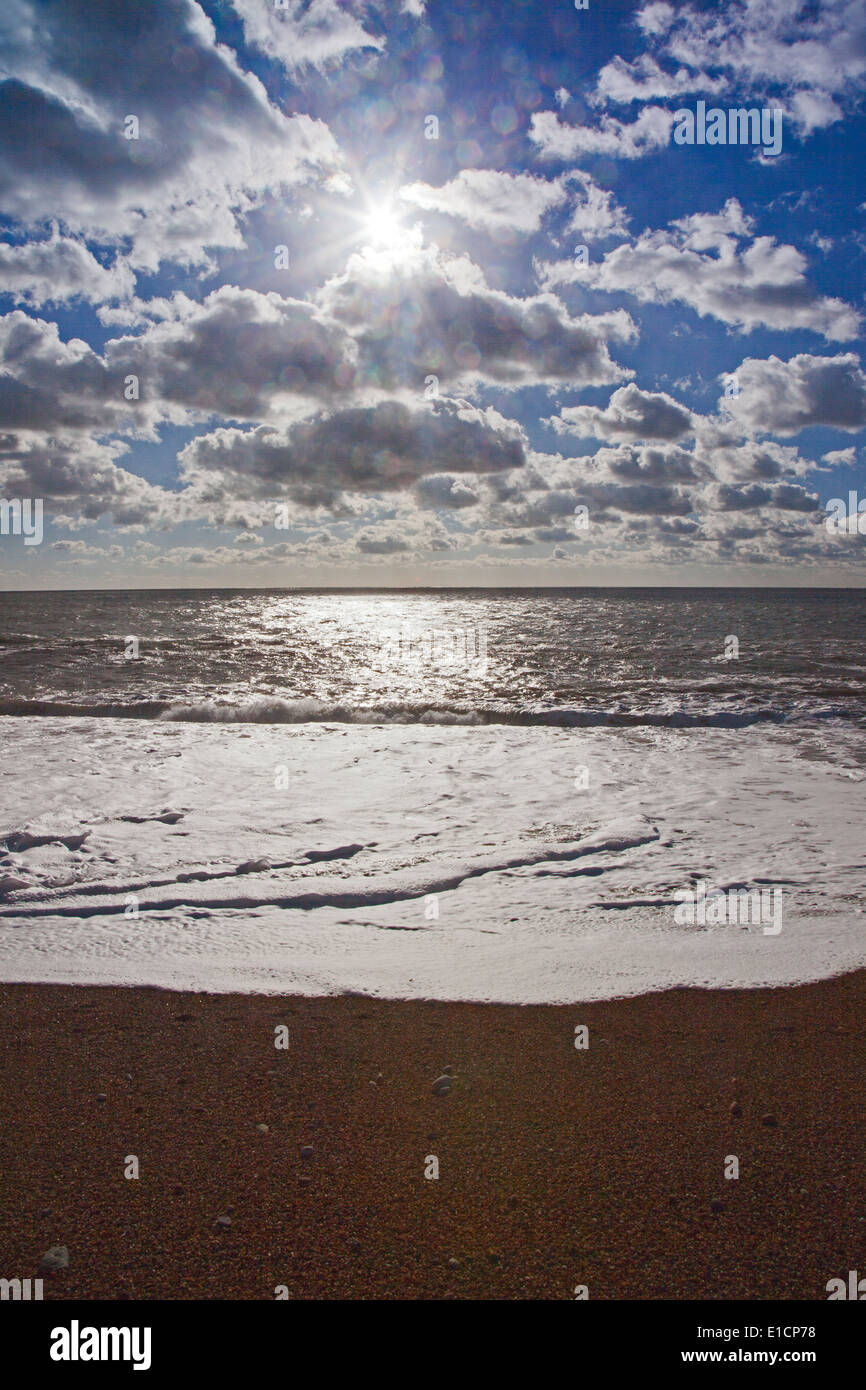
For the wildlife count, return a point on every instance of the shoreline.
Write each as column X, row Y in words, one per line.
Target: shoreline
column 557, row 1167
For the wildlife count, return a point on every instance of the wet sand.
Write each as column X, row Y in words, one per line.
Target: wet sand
column 557, row 1167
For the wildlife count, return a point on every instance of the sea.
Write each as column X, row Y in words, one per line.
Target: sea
column 509, row 795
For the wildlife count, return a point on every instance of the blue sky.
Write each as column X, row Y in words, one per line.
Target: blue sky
column 338, row 293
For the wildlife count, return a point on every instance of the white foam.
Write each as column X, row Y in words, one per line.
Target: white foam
column 360, row 825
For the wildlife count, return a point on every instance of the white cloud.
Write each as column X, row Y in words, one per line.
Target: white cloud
column 60, row 269
column 811, row 54
column 620, row 139
column 424, row 312
column 306, row 33
column 490, row 199
column 778, row 397
column 699, row 262
column 210, row 144
column 630, row 414
column 645, row 80
column 320, row 462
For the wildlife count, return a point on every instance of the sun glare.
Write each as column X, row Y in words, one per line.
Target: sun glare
column 382, row 227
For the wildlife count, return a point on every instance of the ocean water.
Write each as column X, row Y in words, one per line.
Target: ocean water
column 518, row 656
column 482, row 795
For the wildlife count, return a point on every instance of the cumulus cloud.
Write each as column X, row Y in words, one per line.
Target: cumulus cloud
column 495, row 201
column 594, row 211
column 238, row 353
column 630, row 414
column 645, row 80
column 384, row 448
column 707, row 262
column 427, row 313
column 49, row 384
column 811, row 55
column 302, row 34
column 59, row 269
column 620, row 139
column 74, row 472
column 490, row 199
column 777, row 397
column 209, row 146
column 752, row 496
column 442, row 490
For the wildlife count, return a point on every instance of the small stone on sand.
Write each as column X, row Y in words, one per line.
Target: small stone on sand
column 253, row 866
column 442, row 1086
column 57, row 1257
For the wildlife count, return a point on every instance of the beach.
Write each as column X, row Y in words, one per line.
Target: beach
column 558, row 1166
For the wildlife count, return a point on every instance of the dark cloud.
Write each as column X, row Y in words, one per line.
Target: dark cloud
column 423, row 313
column 383, row 448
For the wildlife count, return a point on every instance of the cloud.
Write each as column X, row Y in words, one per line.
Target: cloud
column 74, row 472
column 777, row 397
column 60, row 269
column 595, row 212
column 630, row 414
column 47, row 384
column 699, row 261
column 495, row 201
column 238, row 353
column 751, row 497
column 424, row 313
column 366, row 450
column 655, row 18
column 491, row 200
column 620, row 139
column 442, row 490
column 209, row 146
column 371, row 543
column 645, row 80
column 811, row 54
column 304, row 33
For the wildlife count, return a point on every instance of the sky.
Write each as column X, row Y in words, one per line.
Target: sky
column 321, row 292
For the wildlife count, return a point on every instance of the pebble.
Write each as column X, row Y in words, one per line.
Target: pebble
column 263, row 1129
column 442, row 1086
column 223, row 1221
column 453, row 1263
column 57, row 1257
column 307, row 1151
column 253, row 866
column 736, row 1110
column 769, row 1120
column 102, row 1096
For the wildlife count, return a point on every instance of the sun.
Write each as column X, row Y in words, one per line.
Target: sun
column 383, row 227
